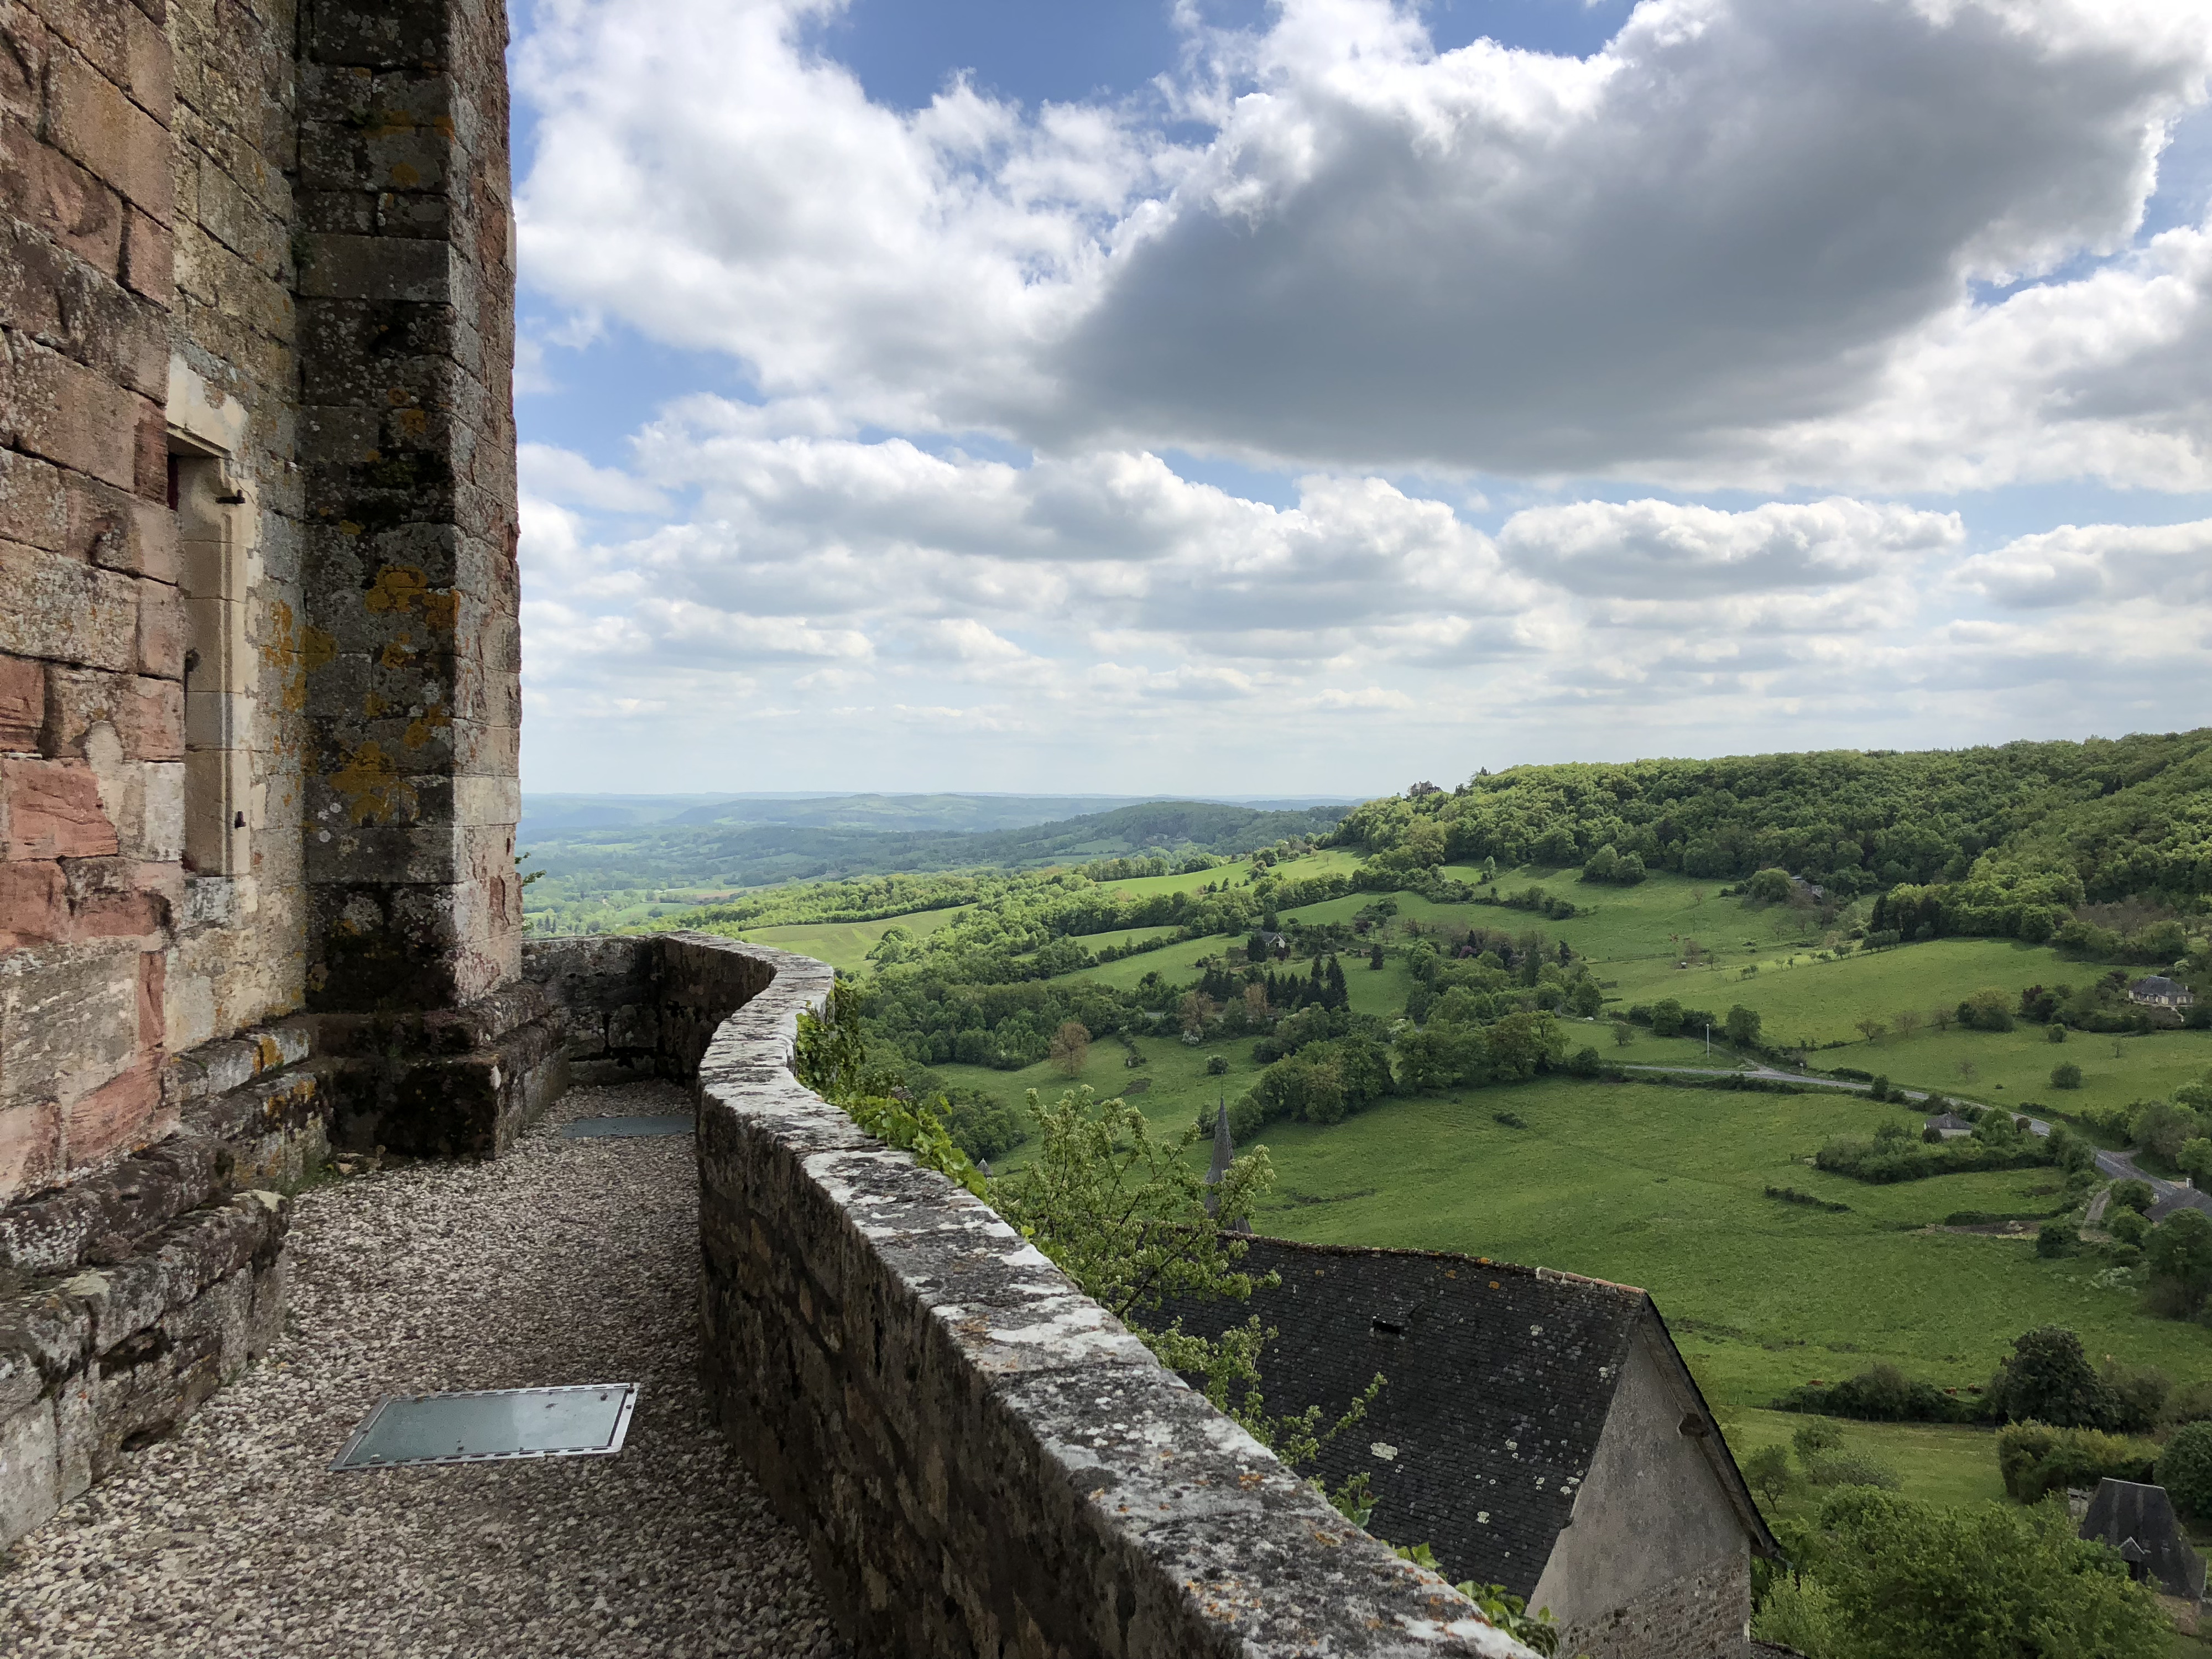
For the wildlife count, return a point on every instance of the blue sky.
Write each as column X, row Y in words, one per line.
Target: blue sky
column 1313, row 396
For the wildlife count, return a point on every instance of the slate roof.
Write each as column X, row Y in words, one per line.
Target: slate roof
column 1950, row 1123
column 2184, row 1197
column 2138, row 1521
column 1500, row 1380
column 2157, row 988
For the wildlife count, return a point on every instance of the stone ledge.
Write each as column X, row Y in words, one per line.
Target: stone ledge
column 983, row 1460
column 96, row 1363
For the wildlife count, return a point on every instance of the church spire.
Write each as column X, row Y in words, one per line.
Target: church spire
column 1223, row 1150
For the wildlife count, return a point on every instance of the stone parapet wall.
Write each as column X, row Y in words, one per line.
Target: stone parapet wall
column 983, row 1460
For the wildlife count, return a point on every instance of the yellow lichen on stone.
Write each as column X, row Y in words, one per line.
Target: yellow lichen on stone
column 398, row 589
column 419, row 730
column 374, row 790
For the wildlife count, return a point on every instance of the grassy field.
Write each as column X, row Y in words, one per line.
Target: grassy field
column 1665, row 1189
column 846, row 943
column 1943, row 1462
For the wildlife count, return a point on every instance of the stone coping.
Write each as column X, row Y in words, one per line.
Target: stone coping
column 984, row 1459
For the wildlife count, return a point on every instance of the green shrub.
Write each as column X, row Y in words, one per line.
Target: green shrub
column 1813, row 1438
column 1851, row 1468
column 2066, row 1074
column 1216, row 1065
column 1882, row 1394
column 2128, row 1226
column 2055, row 1238
column 2190, row 1403
column 2185, row 1469
column 2035, row 1458
column 2134, row 1194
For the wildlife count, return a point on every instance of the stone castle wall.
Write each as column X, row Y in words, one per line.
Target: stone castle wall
column 982, row 1459
column 258, row 646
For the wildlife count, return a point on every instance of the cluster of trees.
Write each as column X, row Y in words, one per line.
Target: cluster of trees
column 1897, row 1152
column 1611, row 866
column 2046, row 1380
column 2021, row 831
column 1876, row 1575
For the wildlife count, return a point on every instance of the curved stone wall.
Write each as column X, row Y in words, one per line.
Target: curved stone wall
column 985, row 1461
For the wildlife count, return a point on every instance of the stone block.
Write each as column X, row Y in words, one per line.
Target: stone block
column 22, row 704
column 69, row 1020
column 119, row 530
column 50, row 809
column 147, row 715
column 149, row 73
column 121, row 1115
column 44, row 188
column 33, row 505
column 24, row 45
column 66, row 611
column 159, row 646
column 30, row 1147
column 30, row 1470
column 97, row 126
column 378, row 268
column 148, row 257
column 71, row 415
column 33, row 903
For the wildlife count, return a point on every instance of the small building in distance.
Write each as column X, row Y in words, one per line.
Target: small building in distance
column 1538, row 1430
column 2138, row 1521
column 1271, row 944
column 1950, row 1125
column 2157, row 991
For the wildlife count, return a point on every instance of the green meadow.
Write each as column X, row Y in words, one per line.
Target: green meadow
column 846, row 945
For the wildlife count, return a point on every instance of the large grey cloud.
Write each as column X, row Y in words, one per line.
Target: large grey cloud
column 1740, row 246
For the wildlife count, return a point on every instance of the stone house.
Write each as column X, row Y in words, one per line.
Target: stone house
column 2157, row 991
column 1950, row 1125
column 1537, row 1430
column 258, row 653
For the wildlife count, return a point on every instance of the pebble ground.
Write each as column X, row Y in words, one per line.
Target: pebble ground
column 568, row 1261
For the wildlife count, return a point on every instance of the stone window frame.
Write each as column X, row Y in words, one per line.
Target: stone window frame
column 215, row 532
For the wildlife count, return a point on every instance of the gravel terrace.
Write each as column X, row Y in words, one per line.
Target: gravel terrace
column 565, row 1262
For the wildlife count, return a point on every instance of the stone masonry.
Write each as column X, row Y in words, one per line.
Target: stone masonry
column 981, row 1459
column 258, row 666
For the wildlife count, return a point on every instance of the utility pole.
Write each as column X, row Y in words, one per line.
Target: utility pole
column 1709, row 1042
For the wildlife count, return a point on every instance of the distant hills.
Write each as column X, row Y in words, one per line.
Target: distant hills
column 609, row 860
column 563, row 816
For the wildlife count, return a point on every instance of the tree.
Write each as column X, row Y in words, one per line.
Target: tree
column 2047, row 1379
column 2054, row 1238
column 1869, row 1028
column 2185, row 1469
column 1742, row 1026
column 1071, row 1047
column 1906, row 1021
column 2179, row 1255
column 1767, row 1472
column 1985, row 1581
column 2134, row 1194
column 1195, row 1008
column 1623, row 1034
column 2127, row 1226
column 1942, row 1018
column 1769, row 887
column 2066, row 1074
column 1667, row 1018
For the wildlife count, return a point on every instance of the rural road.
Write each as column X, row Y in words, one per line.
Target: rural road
column 2120, row 1166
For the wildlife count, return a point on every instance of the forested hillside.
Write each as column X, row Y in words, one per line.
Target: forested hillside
column 2008, row 840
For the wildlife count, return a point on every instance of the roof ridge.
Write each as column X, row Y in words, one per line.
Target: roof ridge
column 1548, row 1275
